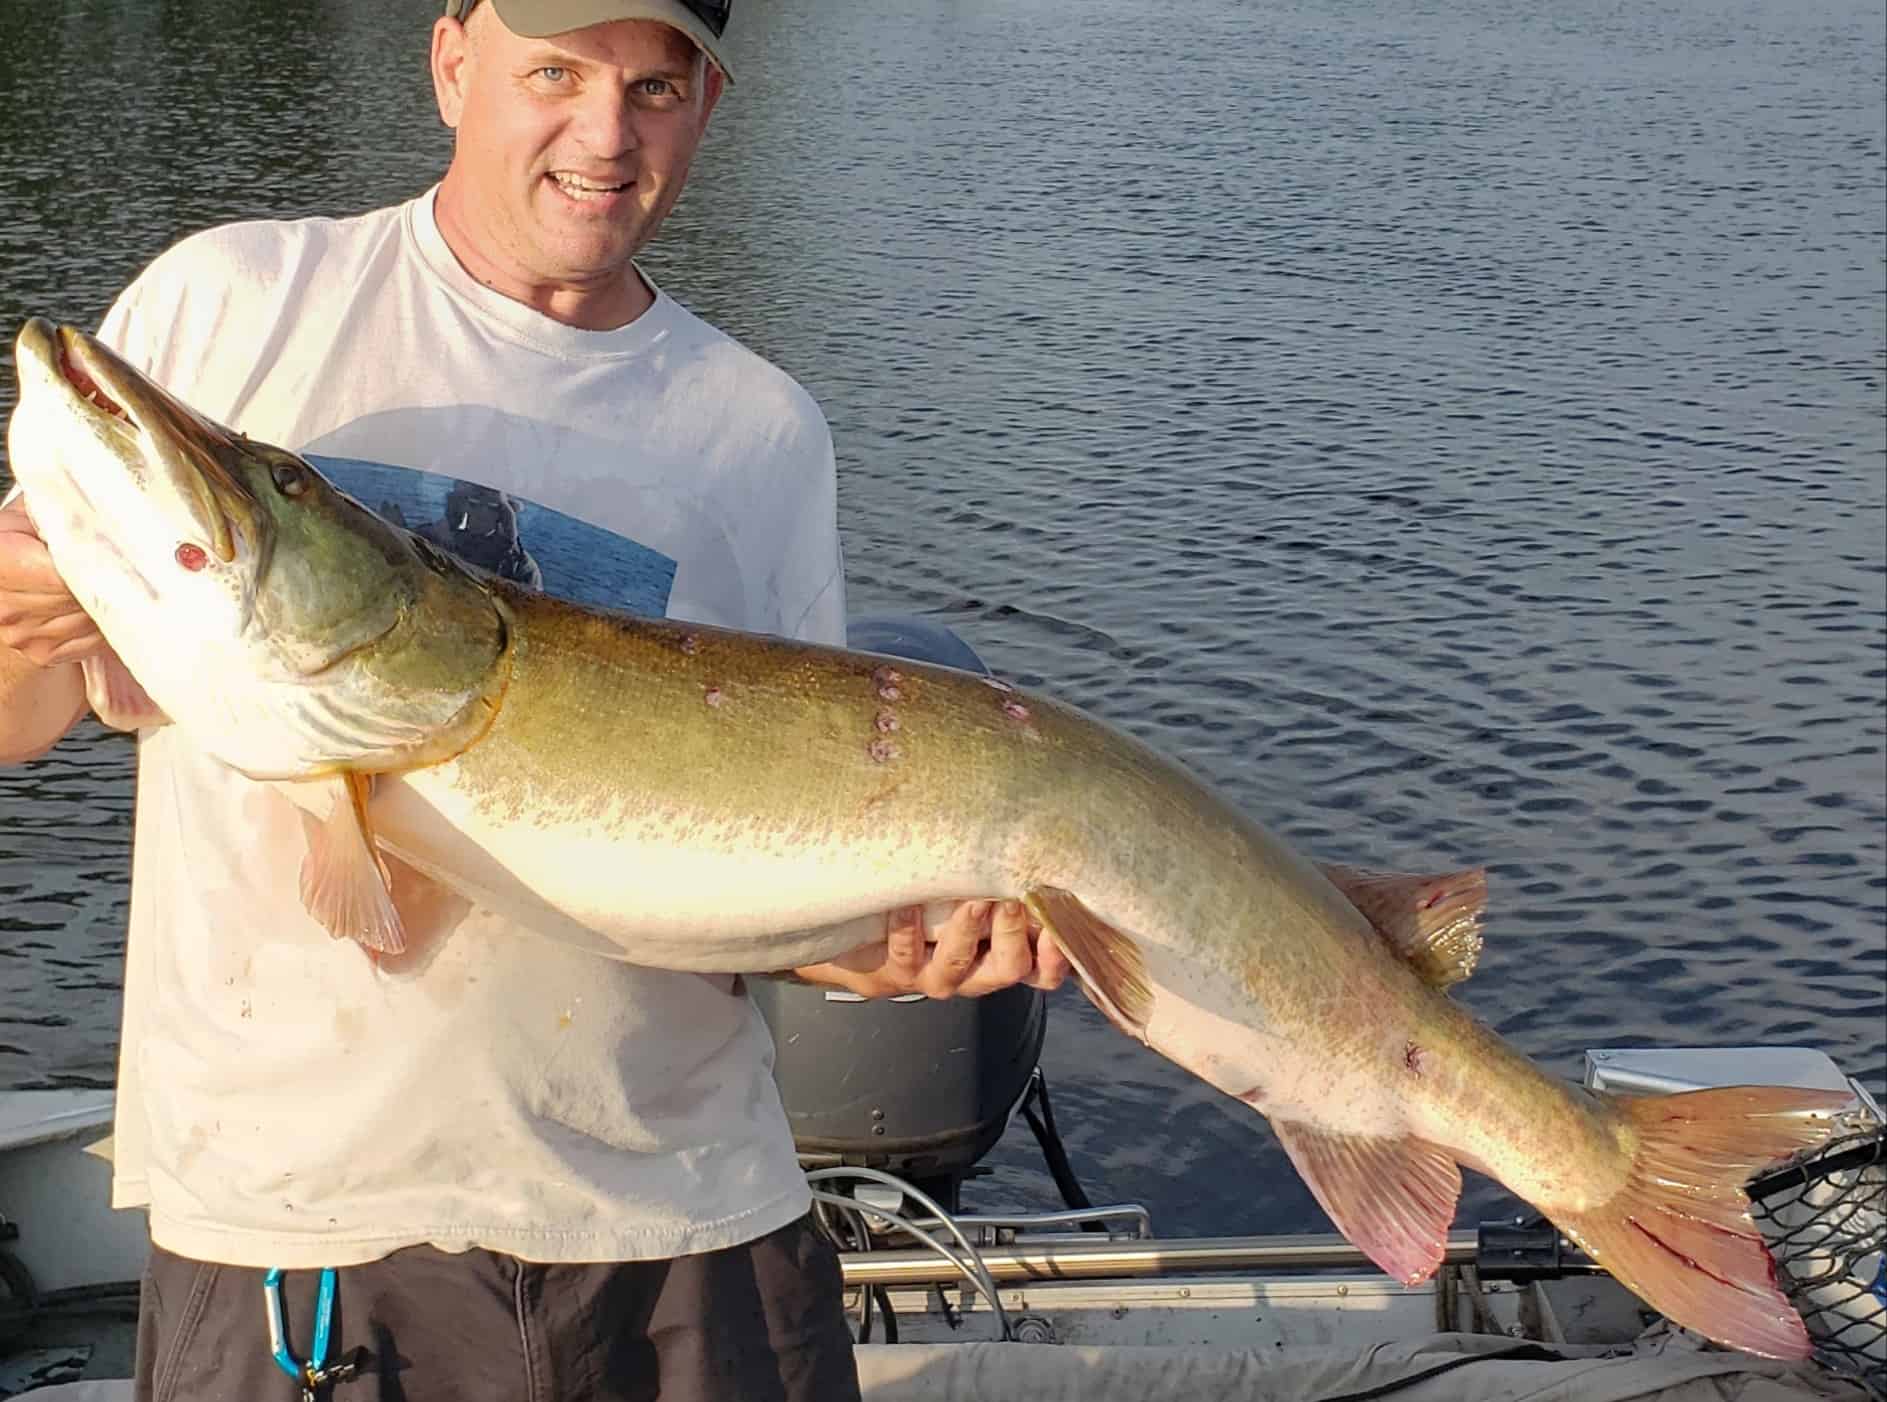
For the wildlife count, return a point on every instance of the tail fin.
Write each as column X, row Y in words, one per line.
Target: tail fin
column 1679, row 1232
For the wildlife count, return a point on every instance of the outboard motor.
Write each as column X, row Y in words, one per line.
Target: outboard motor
column 915, row 1087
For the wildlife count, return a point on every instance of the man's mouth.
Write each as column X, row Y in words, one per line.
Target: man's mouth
column 582, row 187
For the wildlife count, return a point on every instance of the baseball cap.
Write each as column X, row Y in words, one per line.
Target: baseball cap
column 703, row 21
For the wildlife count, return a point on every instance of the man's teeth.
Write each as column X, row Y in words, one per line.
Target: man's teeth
column 577, row 186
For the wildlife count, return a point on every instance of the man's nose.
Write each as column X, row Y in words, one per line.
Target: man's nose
column 606, row 122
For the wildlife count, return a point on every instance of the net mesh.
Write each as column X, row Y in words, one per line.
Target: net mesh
column 1825, row 1218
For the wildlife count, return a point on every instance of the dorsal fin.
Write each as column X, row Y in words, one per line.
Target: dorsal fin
column 1433, row 923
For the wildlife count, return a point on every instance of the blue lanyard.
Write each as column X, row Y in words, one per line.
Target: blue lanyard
column 313, row 1373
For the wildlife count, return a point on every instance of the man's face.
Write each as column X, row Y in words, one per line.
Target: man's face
column 571, row 149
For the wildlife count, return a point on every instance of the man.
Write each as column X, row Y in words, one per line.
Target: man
column 542, row 1174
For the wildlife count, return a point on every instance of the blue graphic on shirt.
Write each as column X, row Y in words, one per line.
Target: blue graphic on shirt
column 510, row 536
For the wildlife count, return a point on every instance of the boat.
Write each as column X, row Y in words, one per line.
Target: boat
column 1092, row 1302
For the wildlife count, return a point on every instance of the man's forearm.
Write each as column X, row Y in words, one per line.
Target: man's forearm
column 38, row 705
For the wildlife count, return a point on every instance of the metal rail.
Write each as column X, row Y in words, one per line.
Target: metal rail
column 1088, row 1260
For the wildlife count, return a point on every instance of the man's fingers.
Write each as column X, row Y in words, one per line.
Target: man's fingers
column 904, row 945
column 1051, row 965
column 837, row 975
column 1008, row 959
column 959, row 940
column 67, row 637
column 39, row 618
column 90, row 643
column 25, row 562
column 980, row 947
column 27, row 611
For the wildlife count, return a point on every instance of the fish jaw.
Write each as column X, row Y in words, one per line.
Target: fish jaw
column 289, row 630
column 147, row 545
column 175, row 458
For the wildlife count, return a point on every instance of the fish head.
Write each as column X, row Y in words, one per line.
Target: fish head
column 127, row 486
column 244, row 591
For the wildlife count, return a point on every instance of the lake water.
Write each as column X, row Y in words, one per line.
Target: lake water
column 1459, row 430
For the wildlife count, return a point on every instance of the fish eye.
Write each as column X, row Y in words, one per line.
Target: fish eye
column 192, row 557
column 290, row 478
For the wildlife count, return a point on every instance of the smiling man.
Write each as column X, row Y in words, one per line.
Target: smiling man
column 538, row 1173
column 573, row 147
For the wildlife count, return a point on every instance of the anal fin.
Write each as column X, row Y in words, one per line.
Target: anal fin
column 344, row 884
column 115, row 696
column 1113, row 972
column 1433, row 923
column 1392, row 1196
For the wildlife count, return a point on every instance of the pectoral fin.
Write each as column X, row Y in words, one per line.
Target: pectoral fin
column 1433, row 923
column 1113, row 973
column 1393, row 1197
column 344, row 884
column 115, row 696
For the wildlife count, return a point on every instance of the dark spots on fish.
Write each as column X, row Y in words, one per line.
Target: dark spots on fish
column 885, row 680
column 885, row 722
column 1413, row 1057
column 882, row 751
column 690, row 644
column 714, row 696
column 1015, row 710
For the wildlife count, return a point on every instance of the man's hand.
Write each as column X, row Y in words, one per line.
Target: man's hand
column 982, row 946
column 39, row 618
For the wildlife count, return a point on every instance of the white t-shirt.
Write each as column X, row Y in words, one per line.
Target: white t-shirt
column 282, row 1101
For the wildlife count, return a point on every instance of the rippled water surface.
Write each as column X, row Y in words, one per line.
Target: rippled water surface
column 1456, row 429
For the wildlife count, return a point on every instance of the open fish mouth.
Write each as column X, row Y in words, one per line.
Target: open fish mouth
column 87, row 388
column 163, row 444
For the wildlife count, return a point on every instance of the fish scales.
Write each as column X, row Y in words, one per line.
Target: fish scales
column 700, row 799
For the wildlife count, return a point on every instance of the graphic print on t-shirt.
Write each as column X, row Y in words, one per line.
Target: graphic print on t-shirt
column 514, row 538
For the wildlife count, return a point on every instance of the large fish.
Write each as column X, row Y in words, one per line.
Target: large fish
column 708, row 800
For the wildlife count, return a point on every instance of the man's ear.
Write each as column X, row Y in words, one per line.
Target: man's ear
column 711, row 91
column 451, row 50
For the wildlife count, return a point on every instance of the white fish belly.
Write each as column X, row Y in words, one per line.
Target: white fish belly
column 1281, row 1073
column 708, row 897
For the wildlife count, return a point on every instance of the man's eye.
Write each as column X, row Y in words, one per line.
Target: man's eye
column 657, row 87
column 551, row 73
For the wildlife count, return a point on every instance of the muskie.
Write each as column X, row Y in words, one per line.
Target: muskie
column 767, row 798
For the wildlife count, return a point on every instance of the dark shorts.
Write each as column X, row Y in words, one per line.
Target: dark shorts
column 763, row 1322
